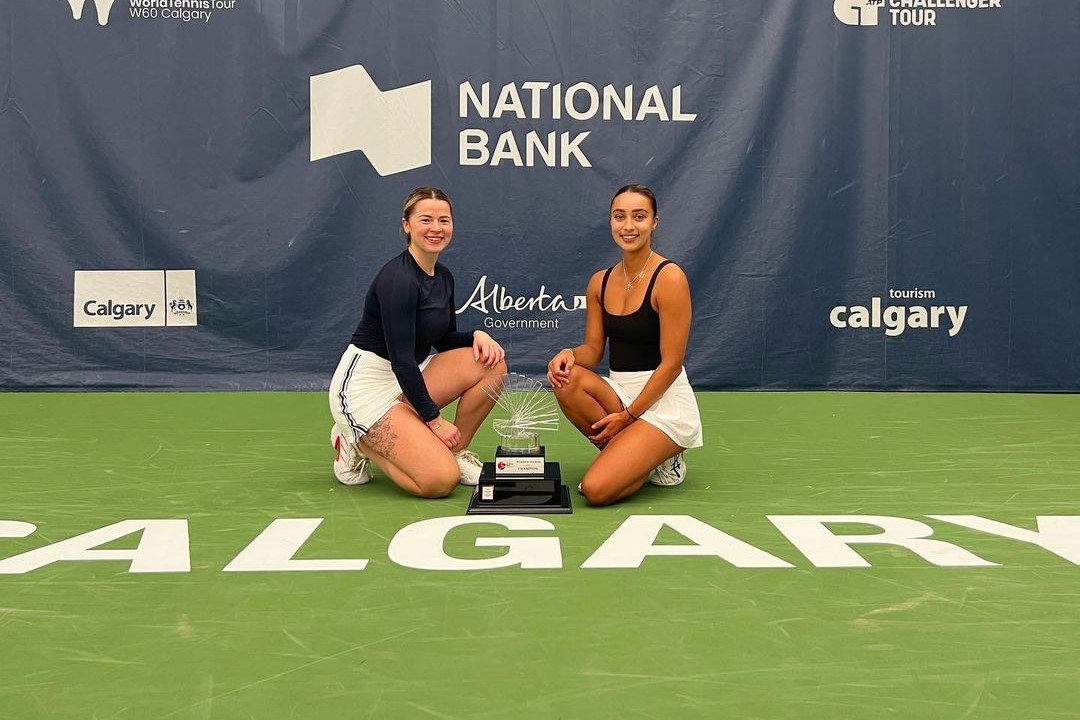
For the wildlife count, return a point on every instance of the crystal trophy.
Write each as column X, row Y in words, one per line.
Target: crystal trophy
column 521, row 480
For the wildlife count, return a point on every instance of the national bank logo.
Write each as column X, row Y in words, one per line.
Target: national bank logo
column 135, row 298
column 857, row 12
column 391, row 127
column 103, row 8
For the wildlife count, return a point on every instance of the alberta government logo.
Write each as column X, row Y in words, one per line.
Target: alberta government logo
column 492, row 299
column 917, row 13
column 181, row 10
column 392, row 127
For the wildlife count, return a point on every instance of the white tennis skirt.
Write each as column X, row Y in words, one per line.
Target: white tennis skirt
column 363, row 389
column 675, row 413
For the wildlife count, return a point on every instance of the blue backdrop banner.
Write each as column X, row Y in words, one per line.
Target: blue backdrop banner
column 875, row 194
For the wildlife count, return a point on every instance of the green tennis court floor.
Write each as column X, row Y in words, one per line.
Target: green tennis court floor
column 698, row 622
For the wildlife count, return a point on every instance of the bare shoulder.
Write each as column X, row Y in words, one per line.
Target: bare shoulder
column 595, row 281
column 672, row 279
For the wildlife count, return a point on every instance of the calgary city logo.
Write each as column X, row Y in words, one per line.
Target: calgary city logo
column 181, row 306
column 391, row 127
column 135, row 298
column 103, row 9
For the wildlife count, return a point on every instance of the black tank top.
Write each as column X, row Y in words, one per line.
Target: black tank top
column 634, row 338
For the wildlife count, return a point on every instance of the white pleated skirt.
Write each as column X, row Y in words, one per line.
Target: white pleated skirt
column 675, row 413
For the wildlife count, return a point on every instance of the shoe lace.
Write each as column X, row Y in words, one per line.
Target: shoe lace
column 470, row 457
column 359, row 459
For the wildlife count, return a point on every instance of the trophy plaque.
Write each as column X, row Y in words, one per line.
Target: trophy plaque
column 521, row 480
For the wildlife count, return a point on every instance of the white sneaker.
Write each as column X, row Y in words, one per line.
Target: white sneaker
column 350, row 465
column 669, row 473
column 470, row 466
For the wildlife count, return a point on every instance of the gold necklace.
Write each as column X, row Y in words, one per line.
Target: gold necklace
column 630, row 283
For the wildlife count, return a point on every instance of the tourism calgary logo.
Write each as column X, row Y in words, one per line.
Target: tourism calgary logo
column 898, row 318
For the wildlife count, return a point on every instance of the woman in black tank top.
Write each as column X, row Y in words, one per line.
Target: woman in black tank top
column 639, row 418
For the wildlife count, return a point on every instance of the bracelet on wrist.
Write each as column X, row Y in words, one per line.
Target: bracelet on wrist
column 632, row 415
column 436, row 423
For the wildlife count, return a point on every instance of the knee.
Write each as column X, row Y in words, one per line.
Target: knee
column 492, row 377
column 598, row 493
column 571, row 387
column 438, row 481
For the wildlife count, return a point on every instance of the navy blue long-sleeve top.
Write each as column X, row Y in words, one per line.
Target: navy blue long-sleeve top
column 406, row 313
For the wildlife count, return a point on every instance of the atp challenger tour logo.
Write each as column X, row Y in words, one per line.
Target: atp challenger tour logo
column 163, row 545
column 393, row 127
column 898, row 318
column 857, row 12
column 902, row 12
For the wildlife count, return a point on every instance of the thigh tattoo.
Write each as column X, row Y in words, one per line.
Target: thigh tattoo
column 381, row 438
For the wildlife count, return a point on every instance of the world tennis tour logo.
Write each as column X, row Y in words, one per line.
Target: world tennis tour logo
column 391, row 127
column 135, row 298
column 185, row 11
column 103, row 9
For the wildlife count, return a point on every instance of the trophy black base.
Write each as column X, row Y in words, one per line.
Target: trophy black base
column 520, row 495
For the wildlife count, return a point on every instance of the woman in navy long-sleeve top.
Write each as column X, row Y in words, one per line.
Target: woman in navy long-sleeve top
column 387, row 391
